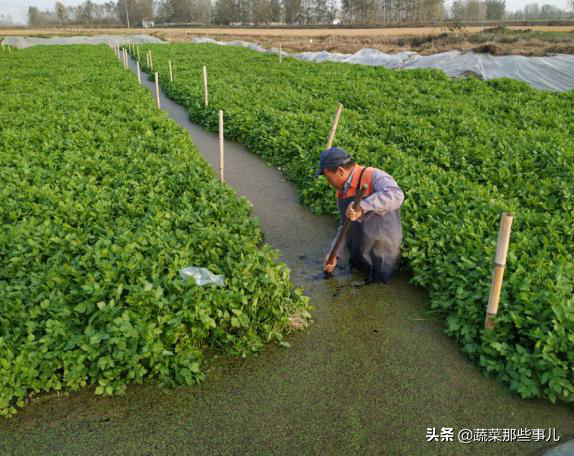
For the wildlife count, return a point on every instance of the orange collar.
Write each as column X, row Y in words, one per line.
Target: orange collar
column 353, row 187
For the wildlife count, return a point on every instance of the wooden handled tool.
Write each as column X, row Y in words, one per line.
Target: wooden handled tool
column 346, row 226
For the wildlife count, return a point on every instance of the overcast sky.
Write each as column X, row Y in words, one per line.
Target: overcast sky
column 18, row 8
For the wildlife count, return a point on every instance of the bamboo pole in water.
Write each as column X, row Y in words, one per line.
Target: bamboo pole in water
column 221, row 146
column 157, row 90
column 205, row 86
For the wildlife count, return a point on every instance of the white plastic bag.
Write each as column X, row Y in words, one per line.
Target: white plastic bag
column 201, row 276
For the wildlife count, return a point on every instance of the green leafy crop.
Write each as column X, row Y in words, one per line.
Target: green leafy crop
column 462, row 150
column 103, row 200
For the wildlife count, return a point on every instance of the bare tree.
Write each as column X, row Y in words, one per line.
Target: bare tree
column 224, row 12
column 276, row 11
column 34, row 17
column 495, row 10
column 430, row 11
column 457, row 10
column 261, row 11
column 292, row 11
column 176, row 10
column 134, row 11
column 61, row 12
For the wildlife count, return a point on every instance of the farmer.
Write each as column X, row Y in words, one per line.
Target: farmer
column 375, row 236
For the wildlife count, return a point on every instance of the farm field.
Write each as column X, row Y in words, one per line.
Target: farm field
column 103, row 201
column 371, row 374
column 464, row 151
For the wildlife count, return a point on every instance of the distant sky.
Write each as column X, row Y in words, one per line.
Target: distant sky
column 18, row 8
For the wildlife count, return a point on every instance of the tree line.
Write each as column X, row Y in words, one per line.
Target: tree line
column 296, row 12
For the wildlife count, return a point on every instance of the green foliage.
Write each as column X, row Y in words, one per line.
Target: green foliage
column 463, row 150
column 103, row 200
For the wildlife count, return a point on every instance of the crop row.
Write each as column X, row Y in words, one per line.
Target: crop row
column 462, row 150
column 103, row 200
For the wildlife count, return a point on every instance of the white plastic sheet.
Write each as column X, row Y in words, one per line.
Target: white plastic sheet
column 27, row 41
column 547, row 73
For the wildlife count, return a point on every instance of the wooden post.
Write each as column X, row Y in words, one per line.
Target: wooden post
column 138, row 53
column 170, row 71
column 334, row 126
column 279, row 52
column 499, row 265
column 139, row 72
column 157, row 90
column 205, row 86
column 221, row 146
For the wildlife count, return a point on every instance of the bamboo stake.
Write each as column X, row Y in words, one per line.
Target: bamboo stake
column 147, row 58
column 125, row 59
column 221, row 146
column 279, row 52
column 157, row 90
column 139, row 72
column 499, row 265
column 334, row 126
column 170, row 71
column 151, row 60
column 138, row 53
column 205, row 86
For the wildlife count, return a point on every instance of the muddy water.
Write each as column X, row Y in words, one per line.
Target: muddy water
column 370, row 375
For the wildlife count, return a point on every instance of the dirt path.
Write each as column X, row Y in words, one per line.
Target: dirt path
column 368, row 378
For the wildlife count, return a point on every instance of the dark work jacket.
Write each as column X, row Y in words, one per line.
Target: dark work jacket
column 373, row 242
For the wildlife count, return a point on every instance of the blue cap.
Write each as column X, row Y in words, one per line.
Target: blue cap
column 332, row 158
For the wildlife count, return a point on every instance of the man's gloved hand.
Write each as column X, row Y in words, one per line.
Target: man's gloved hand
column 331, row 266
column 352, row 214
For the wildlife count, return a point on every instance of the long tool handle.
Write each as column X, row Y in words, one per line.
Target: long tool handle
column 347, row 225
